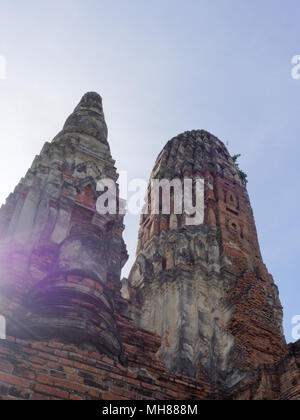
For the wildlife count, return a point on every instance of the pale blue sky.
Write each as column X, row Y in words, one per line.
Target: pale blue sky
column 163, row 67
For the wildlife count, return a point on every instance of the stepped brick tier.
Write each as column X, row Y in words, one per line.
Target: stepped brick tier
column 199, row 316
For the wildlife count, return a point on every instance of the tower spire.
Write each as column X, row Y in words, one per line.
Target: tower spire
column 86, row 120
column 204, row 288
column 59, row 258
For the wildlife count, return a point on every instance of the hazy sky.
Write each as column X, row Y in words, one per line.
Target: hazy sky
column 163, row 67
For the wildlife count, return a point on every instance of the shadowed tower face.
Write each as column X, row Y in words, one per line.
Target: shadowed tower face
column 60, row 261
column 204, row 288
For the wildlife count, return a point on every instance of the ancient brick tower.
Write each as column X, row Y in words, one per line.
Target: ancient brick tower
column 50, row 231
column 204, row 288
column 199, row 318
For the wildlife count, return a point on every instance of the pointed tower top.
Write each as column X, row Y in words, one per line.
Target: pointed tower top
column 86, row 120
column 90, row 101
column 195, row 152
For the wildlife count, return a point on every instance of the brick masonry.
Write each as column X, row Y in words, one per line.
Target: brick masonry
column 199, row 317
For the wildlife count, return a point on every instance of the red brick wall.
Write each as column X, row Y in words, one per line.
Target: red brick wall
column 54, row 370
